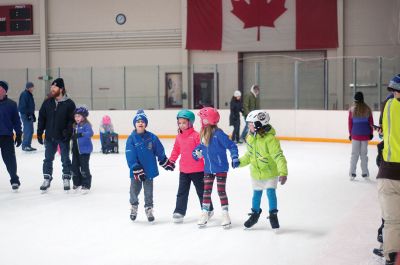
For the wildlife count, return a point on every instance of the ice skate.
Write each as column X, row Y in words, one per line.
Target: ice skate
column 203, row 219
column 66, row 184
column 226, row 220
column 76, row 188
column 45, row 185
column 352, row 177
column 273, row 219
column 84, row 190
column 378, row 251
column 210, row 214
column 253, row 219
column 178, row 218
column 15, row 187
column 134, row 211
column 149, row 214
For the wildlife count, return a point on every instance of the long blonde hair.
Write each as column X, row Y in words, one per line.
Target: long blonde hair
column 206, row 133
column 360, row 109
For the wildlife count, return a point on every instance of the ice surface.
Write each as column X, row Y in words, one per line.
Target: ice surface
column 324, row 217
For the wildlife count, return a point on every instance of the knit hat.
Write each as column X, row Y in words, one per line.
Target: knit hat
column 59, row 82
column 140, row 115
column 4, row 85
column 394, row 84
column 237, row 93
column 29, row 85
column 359, row 97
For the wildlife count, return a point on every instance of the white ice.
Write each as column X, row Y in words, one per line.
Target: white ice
column 325, row 218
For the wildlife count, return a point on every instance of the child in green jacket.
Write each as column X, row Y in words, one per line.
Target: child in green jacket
column 267, row 165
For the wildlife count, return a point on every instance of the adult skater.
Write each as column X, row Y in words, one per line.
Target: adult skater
column 56, row 116
column 26, row 108
column 251, row 101
column 9, row 121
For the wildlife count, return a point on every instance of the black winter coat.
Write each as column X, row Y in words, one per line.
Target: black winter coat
column 56, row 119
column 236, row 108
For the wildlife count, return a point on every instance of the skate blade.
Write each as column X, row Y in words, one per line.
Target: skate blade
column 14, row 191
column 226, row 227
column 43, row 191
column 202, row 226
column 178, row 221
column 275, row 230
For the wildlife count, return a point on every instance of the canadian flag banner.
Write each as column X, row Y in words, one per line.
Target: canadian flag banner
column 261, row 25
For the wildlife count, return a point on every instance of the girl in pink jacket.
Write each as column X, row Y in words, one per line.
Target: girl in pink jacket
column 190, row 169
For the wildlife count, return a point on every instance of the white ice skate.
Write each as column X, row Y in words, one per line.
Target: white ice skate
column 203, row 219
column 149, row 214
column 178, row 218
column 45, row 185
column 84, row 190
column 226, row 220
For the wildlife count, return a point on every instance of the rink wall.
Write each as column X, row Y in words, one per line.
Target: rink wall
column 299, row 125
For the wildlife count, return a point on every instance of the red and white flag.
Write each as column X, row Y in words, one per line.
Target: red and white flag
column 261, row 25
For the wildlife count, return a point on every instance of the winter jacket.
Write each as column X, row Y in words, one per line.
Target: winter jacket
column 83, row 143
column 236, row 108
column 56, row 118
column 390, row 166
column 9, row 118
column 265, row 156
column 360, row 128
column 215, row 158
column 184, row 144
column 250, row 102
column 26, row 103
column 142, row 150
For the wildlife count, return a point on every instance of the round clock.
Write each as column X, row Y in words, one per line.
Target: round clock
column 120, row 19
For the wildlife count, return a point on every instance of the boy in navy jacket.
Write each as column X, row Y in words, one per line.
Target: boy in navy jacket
column 142, row 148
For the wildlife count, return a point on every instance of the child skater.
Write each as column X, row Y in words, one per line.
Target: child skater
column 142, row 148
column 214, row 143
column 108, row 137
column 267, row 165
column 360, row 131
column 81, row 148
column 191, row 170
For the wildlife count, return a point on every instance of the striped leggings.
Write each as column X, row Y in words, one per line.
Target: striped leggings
column 208, row 185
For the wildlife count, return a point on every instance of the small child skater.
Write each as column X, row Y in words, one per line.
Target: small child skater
column 142, row 148
column 191, row 170
column 267, row 165
column 214, row 143
column 81, row 148
column 106, row 134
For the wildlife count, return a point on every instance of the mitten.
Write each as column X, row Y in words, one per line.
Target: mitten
column 138, row 173
column 282, row 179
column 168, row 164
column 235, row 162
column 33, row 117
column 371, row 136
column 40, row 138
column 18, row 140
column 197, row 154
column 350, row 137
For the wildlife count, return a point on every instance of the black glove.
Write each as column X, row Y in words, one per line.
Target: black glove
column 33, row 117
column 168, row 164
column 138, row 173
column 29, row 117
column 18, row 140
column 40, row 138
column 66, row 135
column 350, row 137
column 76, row 136
column 371, row 136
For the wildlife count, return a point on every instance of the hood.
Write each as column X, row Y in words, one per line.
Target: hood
column 252, row 90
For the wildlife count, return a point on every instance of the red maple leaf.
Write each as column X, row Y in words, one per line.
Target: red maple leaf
column 258, row 13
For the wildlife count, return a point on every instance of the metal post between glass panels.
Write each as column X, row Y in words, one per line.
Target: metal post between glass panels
column 215, row 94
column 296, row 84
column 326, row 84
column 91, row 87
column 158, row 87
column 192, row 84
column 124, row 87
column 379, row 81
column 354, row 76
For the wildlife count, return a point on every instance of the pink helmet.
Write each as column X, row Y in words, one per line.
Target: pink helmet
column 209, row 116
column 106, row 120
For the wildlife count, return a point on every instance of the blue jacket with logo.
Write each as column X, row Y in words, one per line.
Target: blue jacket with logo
column 215, row 158
column 142, row 150
column 84, row 143
column 9, row 118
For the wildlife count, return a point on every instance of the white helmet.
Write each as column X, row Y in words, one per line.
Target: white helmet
column 237, row 93
column 260, row 118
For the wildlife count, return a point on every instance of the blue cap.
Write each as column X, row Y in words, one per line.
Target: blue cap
column 394, row 84
column 29, row 85
column 140, row 115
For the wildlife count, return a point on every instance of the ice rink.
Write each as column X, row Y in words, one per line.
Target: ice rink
column 325, row 218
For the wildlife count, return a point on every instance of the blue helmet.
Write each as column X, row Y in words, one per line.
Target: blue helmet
column 186, row 114
column 394, row 83
column 82, row 111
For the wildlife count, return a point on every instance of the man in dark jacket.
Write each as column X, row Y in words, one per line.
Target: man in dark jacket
column 251, row 101
column 26, row 108
column 9, row 121
column 56, row 116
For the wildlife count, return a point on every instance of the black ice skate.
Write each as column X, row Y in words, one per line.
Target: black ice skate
column 273, row 219
column 378, row 251
column 66, row 179
column 15, row 187
column 45, row 185
column 253, row 218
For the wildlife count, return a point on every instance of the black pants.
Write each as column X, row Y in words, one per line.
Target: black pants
column 236, row 131
column 184, row 187
column 8, row 154
column 80, row 170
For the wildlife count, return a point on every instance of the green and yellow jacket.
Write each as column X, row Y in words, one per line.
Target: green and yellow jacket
column 265, row 156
